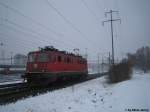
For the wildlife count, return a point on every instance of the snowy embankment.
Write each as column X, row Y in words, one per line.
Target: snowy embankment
column 91, row 96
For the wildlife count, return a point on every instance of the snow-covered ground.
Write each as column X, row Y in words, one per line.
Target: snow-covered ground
column 92, row 96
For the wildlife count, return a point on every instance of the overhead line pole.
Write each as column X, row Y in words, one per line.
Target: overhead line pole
column 112, row 35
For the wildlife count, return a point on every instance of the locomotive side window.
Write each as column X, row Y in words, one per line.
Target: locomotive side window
column 65, row 59
column 43, row 57
column 31, row 57
column 71, row 60
column 55, row 58
column 59, row 58
column 78, row 61
column 68, row 60
column 50, row 58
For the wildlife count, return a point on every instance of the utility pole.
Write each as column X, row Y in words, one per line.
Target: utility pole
column 109, row 59
column 86, row 55
column 2, row 53
column 98, row 66
column 111, row 20
column 11, row 57
column 102, row 64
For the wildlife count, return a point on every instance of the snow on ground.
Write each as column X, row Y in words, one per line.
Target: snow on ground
column 92, row 96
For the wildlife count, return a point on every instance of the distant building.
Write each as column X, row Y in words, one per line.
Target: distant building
column 20, row 59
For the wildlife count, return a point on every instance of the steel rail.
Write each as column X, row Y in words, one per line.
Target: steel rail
column 10, row 89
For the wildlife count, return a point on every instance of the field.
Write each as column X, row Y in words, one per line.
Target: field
column 91, row 96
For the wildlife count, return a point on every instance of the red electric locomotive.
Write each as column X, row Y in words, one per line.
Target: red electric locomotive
column 49, row 64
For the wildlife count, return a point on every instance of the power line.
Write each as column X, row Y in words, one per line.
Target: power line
column 35, row 32
column 36, row 22
column 92, row 13
column 31, row 19
column 16, row 30
column 68, row 21
column 21, row 27
column 32, row 31
column 20, row 43
column 100, row 5
column 30, row 43
column 111, row 21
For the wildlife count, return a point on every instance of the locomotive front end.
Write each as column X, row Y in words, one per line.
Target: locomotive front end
column 37, row 68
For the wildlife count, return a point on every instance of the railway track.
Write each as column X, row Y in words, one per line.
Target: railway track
column 13, row 92
column 12, row 88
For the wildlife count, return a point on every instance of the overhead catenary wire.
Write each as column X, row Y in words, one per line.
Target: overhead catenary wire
column 70, row 23
column 17, row 43
column 24, row 33
column 26, row 42
column 37, row 33
column 92, row 12
column 32, row 31
column 27, row 17
column 29, row 44
column 36, row 22
column 21, row 45
column 30, row 18
column 20, row 27
column 100, row 6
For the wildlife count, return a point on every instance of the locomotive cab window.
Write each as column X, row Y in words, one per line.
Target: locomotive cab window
column 43, row 57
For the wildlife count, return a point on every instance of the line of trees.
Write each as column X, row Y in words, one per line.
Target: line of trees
column 120, row 71
column 141, row 58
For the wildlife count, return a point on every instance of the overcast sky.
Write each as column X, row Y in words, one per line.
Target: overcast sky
column 26, row 25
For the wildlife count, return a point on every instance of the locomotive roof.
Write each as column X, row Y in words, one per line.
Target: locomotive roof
column 52, row 49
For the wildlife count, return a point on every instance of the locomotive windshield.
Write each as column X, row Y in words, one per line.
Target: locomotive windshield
column 31, row 57
column 42, row 57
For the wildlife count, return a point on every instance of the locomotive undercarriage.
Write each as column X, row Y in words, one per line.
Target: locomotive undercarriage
column 47, row 78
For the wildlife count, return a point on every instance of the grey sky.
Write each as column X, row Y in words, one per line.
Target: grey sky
column 27, row 24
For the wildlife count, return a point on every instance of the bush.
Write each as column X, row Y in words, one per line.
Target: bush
column 120, row 72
